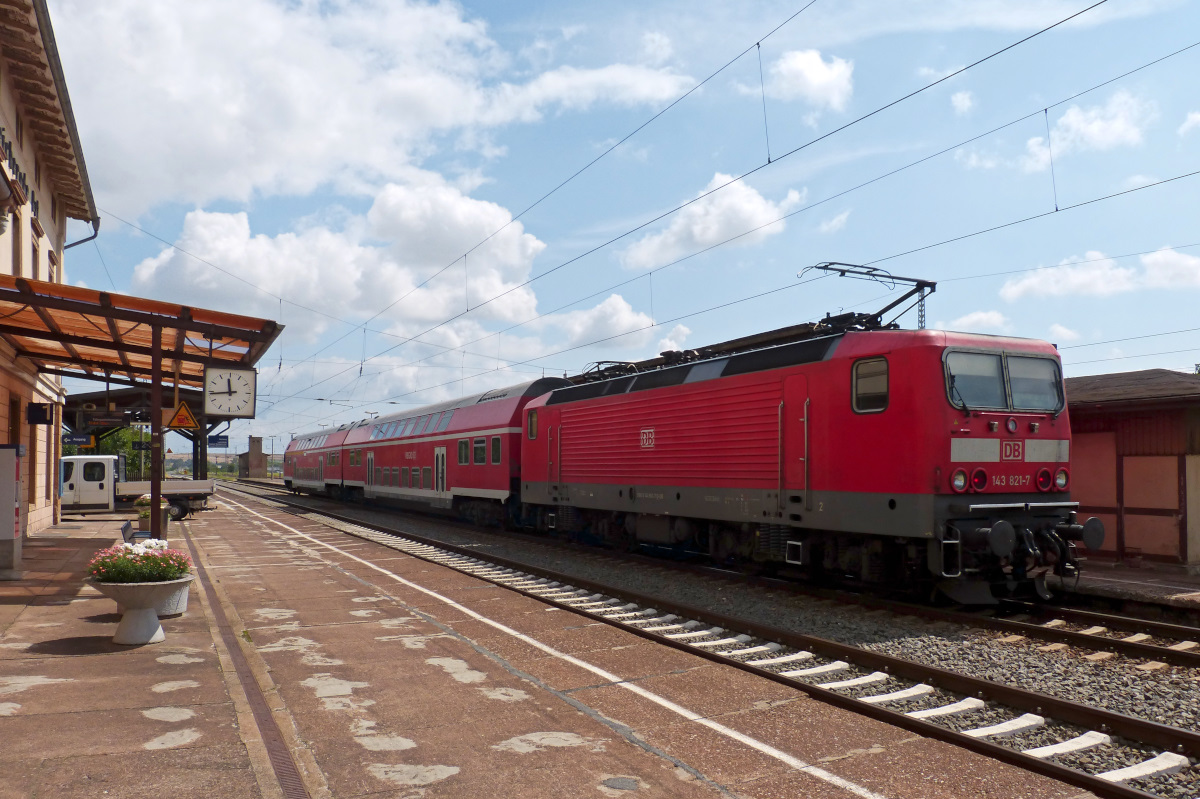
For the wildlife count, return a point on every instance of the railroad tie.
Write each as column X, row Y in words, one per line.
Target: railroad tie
column 1076, row 744
column 853, row 682
column 1024, row 723
column 961, row 706
column 828, row 668
column 781, row 659
column 903, row 695
column 1165, row 763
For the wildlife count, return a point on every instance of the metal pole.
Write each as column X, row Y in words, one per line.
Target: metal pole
column 156, row 447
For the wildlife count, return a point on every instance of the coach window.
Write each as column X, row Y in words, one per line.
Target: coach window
column 464, row 452
column 532, row 425
column 404, row 477
column 427, row 477
column 480, row 451
column 445, row 422
column 495, row 450
column 395, row 475
column 871, row 385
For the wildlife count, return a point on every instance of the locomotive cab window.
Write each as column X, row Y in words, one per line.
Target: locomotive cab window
column 976, row 380
column 1035, row 383
column 871, row 385
column 532, row 425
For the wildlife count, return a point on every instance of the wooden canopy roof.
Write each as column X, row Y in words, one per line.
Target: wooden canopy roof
column 96, row 335
column 30, row 60
column 1148, row 386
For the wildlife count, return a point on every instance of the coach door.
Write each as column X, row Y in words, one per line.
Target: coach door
column 439, row 470
column 320, row 468
column 795, row 422
column 370, row 490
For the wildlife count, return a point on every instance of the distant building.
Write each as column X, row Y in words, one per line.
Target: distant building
column 1135, row 461
column 43, row 183
column 253, row 463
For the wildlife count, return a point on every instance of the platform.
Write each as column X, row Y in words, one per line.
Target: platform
column 387, row 676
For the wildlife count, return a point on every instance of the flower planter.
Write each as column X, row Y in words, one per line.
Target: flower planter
column 141, row 604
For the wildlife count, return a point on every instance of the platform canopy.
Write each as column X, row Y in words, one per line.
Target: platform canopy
column 97, row 335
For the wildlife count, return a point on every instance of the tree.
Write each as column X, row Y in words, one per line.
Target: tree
column 119, row 442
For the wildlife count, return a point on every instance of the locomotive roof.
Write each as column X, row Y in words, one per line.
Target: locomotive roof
column 805, row 351
column 533, row 388
column 794, row 353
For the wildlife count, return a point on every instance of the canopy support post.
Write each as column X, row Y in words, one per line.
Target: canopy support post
column 156, row 448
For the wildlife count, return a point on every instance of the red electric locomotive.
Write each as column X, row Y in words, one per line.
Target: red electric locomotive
column 461, row 456
column 899, row 458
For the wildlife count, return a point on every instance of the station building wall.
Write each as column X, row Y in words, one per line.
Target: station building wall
column 31, row 245
column 1139, row 472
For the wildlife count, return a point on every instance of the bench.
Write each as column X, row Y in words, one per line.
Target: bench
column 132, row 535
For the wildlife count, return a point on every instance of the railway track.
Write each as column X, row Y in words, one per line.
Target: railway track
column 1109, row 753
column 1104, row 635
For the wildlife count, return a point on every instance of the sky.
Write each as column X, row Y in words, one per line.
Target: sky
column 437, row 199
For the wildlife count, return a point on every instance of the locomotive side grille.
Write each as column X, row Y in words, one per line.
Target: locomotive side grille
column 719, row 435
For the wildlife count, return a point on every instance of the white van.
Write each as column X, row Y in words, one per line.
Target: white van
column 89, row 484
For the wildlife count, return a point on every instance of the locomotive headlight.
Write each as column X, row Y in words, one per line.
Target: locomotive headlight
column 1061, row 479
column 958, row 481
column 1011, row 425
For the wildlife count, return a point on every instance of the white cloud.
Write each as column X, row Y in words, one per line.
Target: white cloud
column 612, row 317
column 979, row 321
column 836, row 223
column 974, row 159
column 963, row 102
column 932, row 74
column 1191, row 123
column 1169, row 268
column 177, row 104
column 805, row 75
column 1060, row 333
column 1137, row 181
column 1098, row 277
column 675, row 339
column 721, row 215
column 656, row 48
column 1121, row 122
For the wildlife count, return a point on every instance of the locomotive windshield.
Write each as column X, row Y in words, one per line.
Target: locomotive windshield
column 977, row 380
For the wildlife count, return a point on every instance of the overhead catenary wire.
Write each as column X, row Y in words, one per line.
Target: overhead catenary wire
column 818, row 203
column 580, row 171
column 529, row 281
column 744, row 175
column 676, row 319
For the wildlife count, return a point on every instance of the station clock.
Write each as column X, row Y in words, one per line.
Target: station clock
column 229, row 392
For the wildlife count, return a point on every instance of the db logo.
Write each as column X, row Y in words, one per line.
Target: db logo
column 648, row 438
column 1012, row 451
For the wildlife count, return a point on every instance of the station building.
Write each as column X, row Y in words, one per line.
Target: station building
column 43, row 183
column 1135, row 461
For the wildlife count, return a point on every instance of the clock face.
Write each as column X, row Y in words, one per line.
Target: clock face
column 229, row 392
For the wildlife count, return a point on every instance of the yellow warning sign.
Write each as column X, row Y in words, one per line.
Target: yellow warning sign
column 182, row 419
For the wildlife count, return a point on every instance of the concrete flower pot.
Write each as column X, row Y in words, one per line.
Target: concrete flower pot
column 141, row 604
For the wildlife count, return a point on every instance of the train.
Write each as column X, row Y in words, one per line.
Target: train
column 910, row 460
